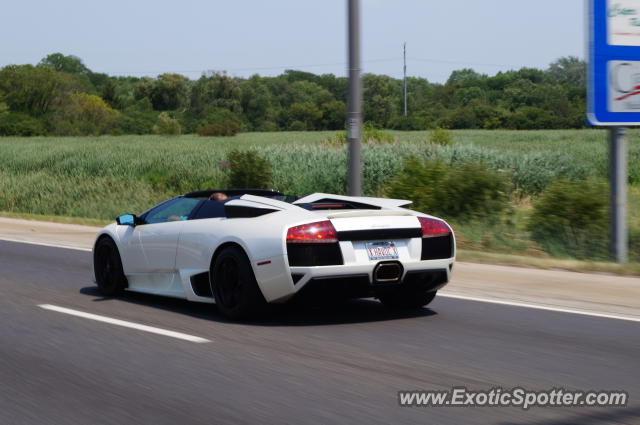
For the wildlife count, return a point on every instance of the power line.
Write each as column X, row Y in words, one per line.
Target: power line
column 466, row 63
column 317, row 65
column 258, row 68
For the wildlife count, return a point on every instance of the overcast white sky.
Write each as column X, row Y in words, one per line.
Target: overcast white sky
column 143, row 37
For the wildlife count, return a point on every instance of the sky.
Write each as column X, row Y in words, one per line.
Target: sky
column 245, row 37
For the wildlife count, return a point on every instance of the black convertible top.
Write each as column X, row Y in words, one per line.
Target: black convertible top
column 234, row 192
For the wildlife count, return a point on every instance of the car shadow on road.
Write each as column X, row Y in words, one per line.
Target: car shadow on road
column 297, row 314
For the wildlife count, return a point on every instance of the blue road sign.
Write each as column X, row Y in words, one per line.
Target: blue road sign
column 614, row 62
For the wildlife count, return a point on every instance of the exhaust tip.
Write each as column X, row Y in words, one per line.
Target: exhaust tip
column 387, row 272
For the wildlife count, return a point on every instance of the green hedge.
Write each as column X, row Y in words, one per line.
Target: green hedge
column 570, row 218
column 467, row 190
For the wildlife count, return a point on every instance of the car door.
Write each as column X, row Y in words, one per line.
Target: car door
column 198, row 238
column 158, row 237
column 150, row 247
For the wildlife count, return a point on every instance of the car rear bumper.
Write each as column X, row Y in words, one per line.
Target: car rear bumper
column 365, row 280
column 330, row 287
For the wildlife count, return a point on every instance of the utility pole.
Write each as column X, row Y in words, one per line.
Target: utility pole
column 404, row 80
column 618, row 188
column 354, row 101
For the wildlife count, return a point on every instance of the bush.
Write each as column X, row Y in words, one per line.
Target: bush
column 466, row 190
column 374, row 135
column 19, row 124
column 460, row 118
column 83, row 114
column 297, row 126
column 408, row 123
column 532, row 118
column 138, row 118
column 137, row 122
column 224, row 128
column 166, row 125
column 570, row 218
column 219, row 122
column 440, row 136
column 249, row 170
column 267, row 126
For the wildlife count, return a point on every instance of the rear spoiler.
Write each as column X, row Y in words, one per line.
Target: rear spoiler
column 254, row 206
column 374, row 202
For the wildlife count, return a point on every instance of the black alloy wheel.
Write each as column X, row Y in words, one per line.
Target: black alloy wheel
column 107, row 268
column 234, row 285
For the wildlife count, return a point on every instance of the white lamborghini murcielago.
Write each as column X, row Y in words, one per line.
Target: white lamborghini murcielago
column 260, row 246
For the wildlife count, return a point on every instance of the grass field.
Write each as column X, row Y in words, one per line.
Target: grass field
column 101, row 177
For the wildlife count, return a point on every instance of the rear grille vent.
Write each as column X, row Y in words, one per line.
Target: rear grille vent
column 437, row 248
column 314, row 254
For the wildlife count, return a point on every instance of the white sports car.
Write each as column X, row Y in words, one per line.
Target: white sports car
column 260, row 246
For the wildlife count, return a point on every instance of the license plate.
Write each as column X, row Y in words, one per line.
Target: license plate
column 381, row 250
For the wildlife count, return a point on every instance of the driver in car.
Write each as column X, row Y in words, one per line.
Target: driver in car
column 218, row 196
column 215, row 196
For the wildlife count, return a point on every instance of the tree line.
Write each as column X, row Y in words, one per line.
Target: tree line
column 61, row 96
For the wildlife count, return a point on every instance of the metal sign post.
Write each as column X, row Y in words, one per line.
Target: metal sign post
column 618, row 178
column 613, row 96
column 354, row 114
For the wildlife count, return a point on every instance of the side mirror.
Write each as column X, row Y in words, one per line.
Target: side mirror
column 127, row 220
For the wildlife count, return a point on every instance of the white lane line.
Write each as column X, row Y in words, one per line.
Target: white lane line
column 542, row 307
column 124, row 323
column 52, row 245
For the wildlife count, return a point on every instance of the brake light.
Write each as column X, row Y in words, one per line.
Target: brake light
column 319, row 232
column 432, row 228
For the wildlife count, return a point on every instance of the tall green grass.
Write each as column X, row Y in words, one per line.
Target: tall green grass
column 101, row 177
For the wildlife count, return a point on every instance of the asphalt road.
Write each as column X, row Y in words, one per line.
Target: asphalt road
column 340, row 365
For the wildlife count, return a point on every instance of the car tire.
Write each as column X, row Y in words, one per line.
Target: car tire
column 234, row 285
column 107, row 268
column 403, row 300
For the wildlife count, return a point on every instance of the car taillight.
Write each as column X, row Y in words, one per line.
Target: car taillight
column 432, row 228
column 319, row 232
